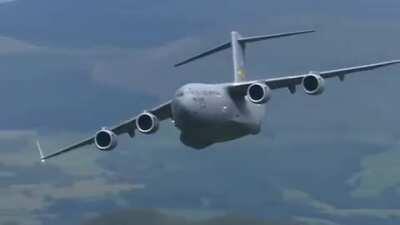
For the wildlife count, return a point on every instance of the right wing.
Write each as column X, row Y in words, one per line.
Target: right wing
column 291, row 82
column 162, row 112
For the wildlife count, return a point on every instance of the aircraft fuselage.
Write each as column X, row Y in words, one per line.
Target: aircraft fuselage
column 208, row 114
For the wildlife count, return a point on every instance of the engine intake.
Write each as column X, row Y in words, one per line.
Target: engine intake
column 259, row 93
column 313, row 84
column 147, row 123
column 105, row 140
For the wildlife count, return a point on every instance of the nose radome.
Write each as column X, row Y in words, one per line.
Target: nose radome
column 183, row 111
column 179, row 105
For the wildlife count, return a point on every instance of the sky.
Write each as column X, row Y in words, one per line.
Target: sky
column 71, row 67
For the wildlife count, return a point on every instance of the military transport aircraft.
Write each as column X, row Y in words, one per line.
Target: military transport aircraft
column 214, row 113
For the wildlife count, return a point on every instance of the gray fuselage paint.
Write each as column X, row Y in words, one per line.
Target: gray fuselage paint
column 208, row 114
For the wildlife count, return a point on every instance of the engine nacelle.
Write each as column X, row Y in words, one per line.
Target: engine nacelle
column 105, row 140
column 259, row 93
column 313, row 84
column 147, row 123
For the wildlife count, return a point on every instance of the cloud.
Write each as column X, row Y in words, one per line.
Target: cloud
column 6, row 1
column 154, row 217
column 13, row 46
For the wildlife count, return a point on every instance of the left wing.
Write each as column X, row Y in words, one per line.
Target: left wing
column 162, row 112
column 291, row 82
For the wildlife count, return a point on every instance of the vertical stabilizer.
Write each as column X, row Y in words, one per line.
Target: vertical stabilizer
column 238, row 45
column 238, row 54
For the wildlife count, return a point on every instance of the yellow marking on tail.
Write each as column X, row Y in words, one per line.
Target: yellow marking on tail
column 242, row 74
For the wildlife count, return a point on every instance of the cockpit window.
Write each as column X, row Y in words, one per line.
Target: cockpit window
column 179, row 94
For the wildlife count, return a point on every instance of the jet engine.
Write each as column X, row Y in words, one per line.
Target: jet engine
column 313, row 84
column 105, row 140
column 147, row 123
column 258, row 93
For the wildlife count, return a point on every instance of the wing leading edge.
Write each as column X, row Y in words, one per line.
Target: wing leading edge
column 292, row 81
column 162, row 112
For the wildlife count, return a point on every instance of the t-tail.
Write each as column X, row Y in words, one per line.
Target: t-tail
column 238, row 45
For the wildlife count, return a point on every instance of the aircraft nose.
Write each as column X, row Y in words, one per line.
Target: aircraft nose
column 184, row 110
column 182, row 105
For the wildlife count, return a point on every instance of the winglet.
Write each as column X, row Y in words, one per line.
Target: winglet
column 42, row 158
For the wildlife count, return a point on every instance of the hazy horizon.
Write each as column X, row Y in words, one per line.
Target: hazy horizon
column 71, row 67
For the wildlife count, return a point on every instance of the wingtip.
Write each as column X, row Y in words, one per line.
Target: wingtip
column 181, row 63
column 42, row 157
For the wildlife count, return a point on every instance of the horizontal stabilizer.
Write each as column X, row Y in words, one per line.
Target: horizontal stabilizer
column 272, row 36
column 206, row 53
column 243, row 41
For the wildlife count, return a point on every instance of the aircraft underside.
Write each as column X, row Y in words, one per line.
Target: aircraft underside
column 205, row 119
column 200, row 138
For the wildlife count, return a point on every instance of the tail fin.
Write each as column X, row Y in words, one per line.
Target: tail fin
column 238, row 56
column 238, row 45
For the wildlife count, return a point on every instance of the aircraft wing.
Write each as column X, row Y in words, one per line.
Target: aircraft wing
column 291, row 82
column 162, row 112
